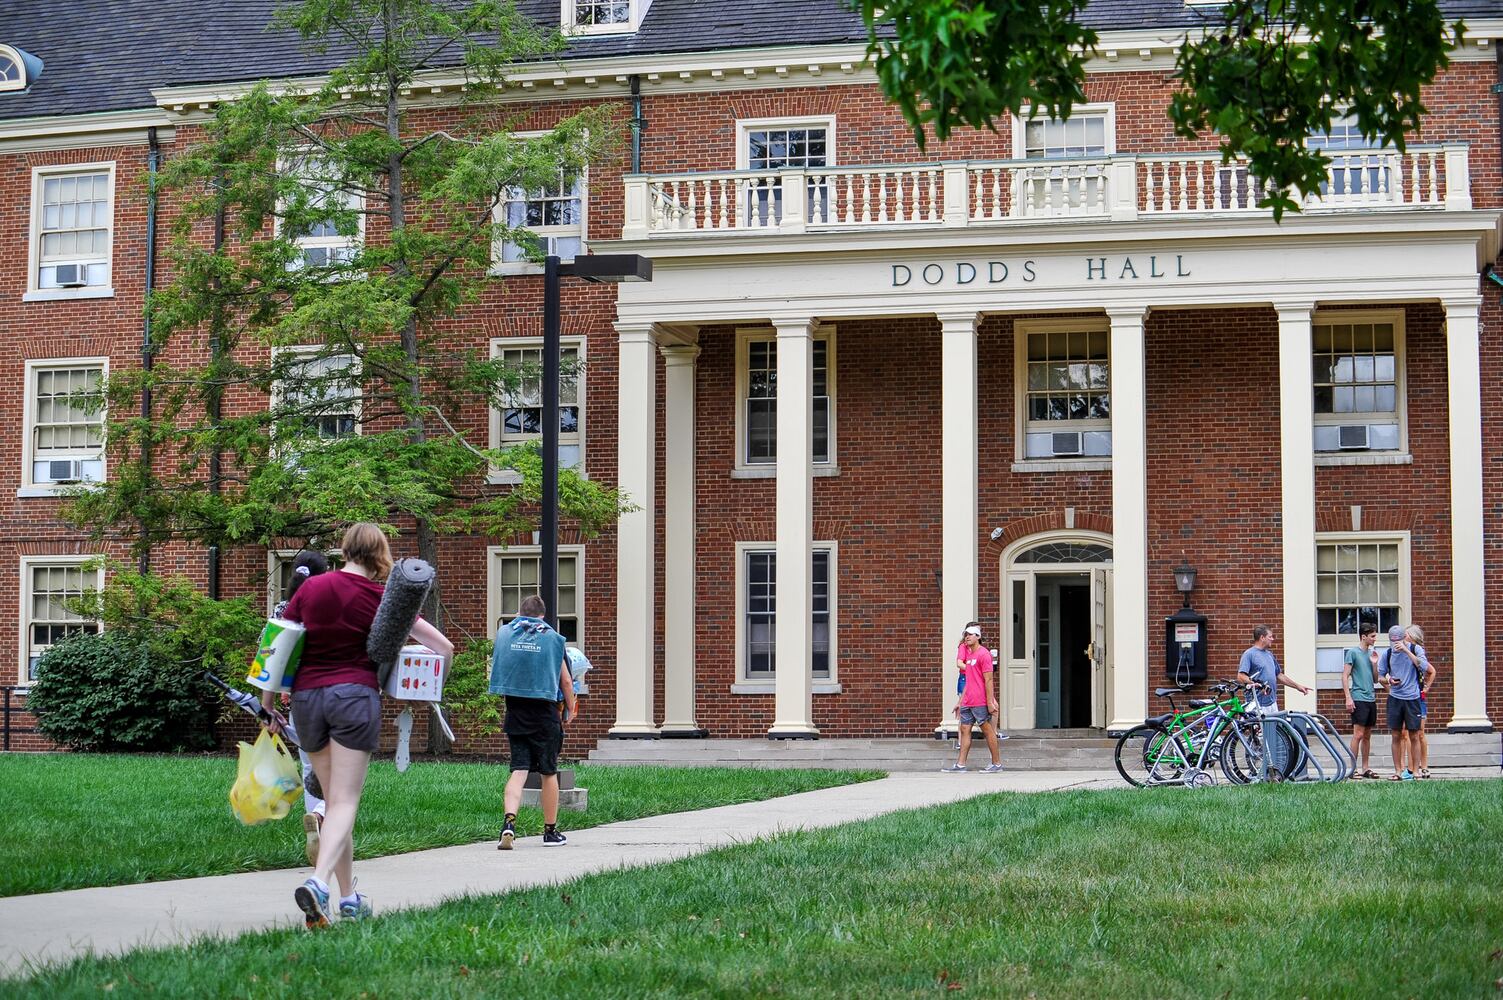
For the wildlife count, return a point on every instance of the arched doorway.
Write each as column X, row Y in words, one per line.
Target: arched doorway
column 1056, row 612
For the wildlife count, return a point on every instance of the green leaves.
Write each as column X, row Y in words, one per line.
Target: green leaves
column 1263, row 75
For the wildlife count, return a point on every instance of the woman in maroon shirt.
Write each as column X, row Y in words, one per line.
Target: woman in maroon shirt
column 336, row 703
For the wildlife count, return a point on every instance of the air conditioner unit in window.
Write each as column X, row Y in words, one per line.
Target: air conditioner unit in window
column 1065, row 444
column 72, row 275
column 65, row 470
column 1352, row 437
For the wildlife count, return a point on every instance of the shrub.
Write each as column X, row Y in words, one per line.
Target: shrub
column 467, row 697
column 116, row 691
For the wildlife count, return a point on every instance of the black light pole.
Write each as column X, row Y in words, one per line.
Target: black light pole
column 548, row 572
column 595, row 268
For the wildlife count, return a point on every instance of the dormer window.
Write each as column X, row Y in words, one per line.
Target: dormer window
column 599, row 17
column 18, row 70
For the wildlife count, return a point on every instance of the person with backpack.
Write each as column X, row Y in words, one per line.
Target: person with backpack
column 1405, row 672
column 530, row 667
column 1420, row 754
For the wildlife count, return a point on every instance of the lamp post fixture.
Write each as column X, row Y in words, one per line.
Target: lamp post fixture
column 1184, row 580
column 598, row 269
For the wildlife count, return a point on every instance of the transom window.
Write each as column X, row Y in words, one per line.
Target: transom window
column 65, row 422
column 521, row 419
column 1053, row 553
column 554, row 214
column 760, row 625
column 515, row 576
column 1358, row 582
column 759, row 418
column 73, row 219
column 1066, row 397
column 1357, row 375
column 51, row 590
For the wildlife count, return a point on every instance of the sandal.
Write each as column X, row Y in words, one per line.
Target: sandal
column 1395, row 777
column 1370, row 773
column 1424, row 772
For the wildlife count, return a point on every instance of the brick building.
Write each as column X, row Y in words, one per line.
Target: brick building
column 872, row 392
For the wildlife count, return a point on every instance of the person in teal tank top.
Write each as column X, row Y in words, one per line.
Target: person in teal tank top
column 1361, row 695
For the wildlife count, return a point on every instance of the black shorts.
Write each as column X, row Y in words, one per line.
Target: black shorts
column 349, row 714
column 1404, row 713
column 1365, row 713
column 534, row 733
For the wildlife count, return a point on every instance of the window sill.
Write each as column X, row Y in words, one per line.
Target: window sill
column 770, row 687
column 1379, row 458
column 39, row 492
column 771, row 472
column 506, row 478
column 1063, row 465
column 67, row 294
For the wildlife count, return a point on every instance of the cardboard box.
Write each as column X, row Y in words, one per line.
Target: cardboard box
column 418, row 675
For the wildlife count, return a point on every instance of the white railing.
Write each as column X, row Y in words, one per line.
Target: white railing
column 1120, row 188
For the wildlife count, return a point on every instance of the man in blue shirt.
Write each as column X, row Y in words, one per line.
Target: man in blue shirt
column 1403, row 670
column 529, row 666
column 1260, row 666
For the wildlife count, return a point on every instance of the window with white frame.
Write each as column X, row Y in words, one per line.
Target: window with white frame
column 515, row 575
column 321, row 395
column 555, row 214
column 72, row 223
column 1064, row 378
column 333, row 239
column 1360, row 577
column 520, row 420
column 50, row 588
column 1358, row 375
column 759, row 608
column 1358, row 167
column 603, row 16
column 12, row 69
column 1064, row 188
column 776, row 145
column 279, row 563
column 65, row 420
column 757, row 409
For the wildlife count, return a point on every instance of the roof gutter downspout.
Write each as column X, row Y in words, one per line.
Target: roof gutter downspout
column 153, row 160
column 638, row 124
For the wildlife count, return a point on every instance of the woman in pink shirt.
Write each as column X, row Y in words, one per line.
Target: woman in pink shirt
column 977, row 702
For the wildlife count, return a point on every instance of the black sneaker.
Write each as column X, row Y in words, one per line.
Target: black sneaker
column 508, row 834
column 552, row 838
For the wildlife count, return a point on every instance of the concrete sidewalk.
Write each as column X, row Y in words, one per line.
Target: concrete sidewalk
column 56, row 926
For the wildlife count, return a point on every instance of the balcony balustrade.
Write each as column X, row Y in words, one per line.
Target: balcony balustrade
column 1001, row 192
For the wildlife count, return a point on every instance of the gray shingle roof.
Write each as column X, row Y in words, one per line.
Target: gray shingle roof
column 107, row 55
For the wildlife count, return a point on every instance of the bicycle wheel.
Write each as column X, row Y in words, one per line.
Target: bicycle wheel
column 1149, row 755
column 1242, row 751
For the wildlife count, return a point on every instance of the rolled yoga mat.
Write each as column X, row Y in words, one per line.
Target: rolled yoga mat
column 406, row 589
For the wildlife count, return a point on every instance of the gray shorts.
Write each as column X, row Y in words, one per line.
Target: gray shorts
column 349, row 714
column 974, row 715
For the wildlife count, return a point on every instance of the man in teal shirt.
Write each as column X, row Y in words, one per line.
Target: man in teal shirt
column 1361, row 698
column 529, row 666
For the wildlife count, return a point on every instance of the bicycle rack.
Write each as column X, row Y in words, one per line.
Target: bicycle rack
column 1338, row 757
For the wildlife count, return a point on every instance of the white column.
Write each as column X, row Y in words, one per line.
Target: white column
column 1297, row 474
column 636, row 449
column 958, row 450
column 1129, row 638
column 678, row 543
column 1468, row 605
column 794, row 683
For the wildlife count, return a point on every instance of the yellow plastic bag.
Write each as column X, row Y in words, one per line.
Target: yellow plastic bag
column 267, row 782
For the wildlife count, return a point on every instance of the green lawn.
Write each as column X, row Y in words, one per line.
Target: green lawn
column 1360, row 891
column 77, row 820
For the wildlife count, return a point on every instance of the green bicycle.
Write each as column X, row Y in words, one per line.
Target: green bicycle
column 1180, row 747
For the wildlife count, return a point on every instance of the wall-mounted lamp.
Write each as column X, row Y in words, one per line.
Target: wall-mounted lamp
column 1184, row 580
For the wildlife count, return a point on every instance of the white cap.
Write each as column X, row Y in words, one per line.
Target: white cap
column 973, row 630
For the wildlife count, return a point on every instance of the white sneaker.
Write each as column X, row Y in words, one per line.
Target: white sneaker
column 954, row 769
